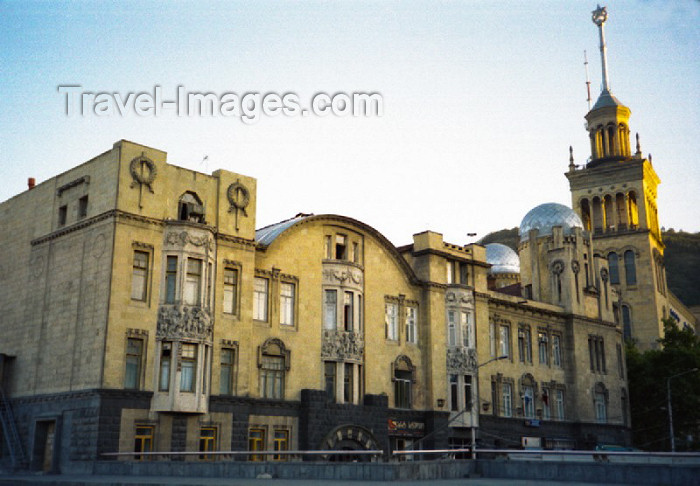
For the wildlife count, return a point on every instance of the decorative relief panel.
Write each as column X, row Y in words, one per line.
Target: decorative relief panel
column 458, row 296
column 461, row 360
column 177, row 322
column 343, row 275
column 342, row 345
column 184, row 238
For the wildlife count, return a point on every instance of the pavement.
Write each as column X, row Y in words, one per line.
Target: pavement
column 79, row 480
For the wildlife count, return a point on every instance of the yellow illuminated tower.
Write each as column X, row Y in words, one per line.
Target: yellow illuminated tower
column 615, row 195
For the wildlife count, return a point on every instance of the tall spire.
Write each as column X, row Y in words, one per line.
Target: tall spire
column 600, row 15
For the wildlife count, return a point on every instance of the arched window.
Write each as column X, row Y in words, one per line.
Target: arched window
column 609, row 214
column 403, row 379
column 632, row 210
column 597, row 215
column 626, row 323
column 190, row 208
column 621, row 211
column 613, row 266
column 586, row 214
column 611, row 141
column 630, row 269
column 600, row 402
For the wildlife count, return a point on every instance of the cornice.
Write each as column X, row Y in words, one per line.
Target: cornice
column 451, row 256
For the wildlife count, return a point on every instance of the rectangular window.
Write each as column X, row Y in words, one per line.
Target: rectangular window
column 454, row 393
column 82, row 207
column 330, row 309
column 556, row 350
column 164, row 372
column 139, row 276
column 492, row 339
column 260, row 291
column 329, row 371
column 450, row 272
column 227, row 372
column 402, row 389
column 451, row 328
column 341, row 247
column 528, row 402
column 463, row 274
column 391, row 317
column 504, row 341
column 507, row 397
column 348, row 383
column 287, row 291
column 134, row 357
column 62, row 215
column 542, row 344
column 524, row 346
column 411, row 329
column 559, row 403
column 355, row 252
column 207, row 442
column 467, row 322
column 256, row 442
column 546, row 409
column 467, row 392
column 170, row 279
column 280, row 443
column 230, row 291
column 272, row 377
column 188, row 367
column 596, row 351
column 143, row 440
column 193, row 282
column 601, row 413
column 348, row 310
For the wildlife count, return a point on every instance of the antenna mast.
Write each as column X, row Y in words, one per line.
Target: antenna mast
column 588, row 80
column 600, row 15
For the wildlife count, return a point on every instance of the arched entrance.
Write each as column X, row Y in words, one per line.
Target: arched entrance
column 349, row 438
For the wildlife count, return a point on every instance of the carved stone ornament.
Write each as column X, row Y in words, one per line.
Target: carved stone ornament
column 460, row 297
column 342, row 276
column 461, row 360
column 238, row 197
column 575, row 266
column 176, row 322
column 143, row 171
column 557, row 267
column 342, row 345
column 183, row 237
column 604, row 274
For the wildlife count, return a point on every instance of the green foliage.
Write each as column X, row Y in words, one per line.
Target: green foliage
column 508, row 237
column 647, row 374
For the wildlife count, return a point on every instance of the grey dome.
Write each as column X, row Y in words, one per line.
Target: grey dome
column 502, row 259
column 545, row 216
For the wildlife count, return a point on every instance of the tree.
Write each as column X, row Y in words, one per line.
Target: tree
column 647, row 375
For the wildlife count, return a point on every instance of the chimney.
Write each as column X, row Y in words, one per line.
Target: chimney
column 31, row 182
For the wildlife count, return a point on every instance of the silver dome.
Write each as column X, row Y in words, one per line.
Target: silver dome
column 545, row 216
column 502, row 259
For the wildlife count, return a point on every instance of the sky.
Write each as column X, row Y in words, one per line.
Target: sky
column 481, row 100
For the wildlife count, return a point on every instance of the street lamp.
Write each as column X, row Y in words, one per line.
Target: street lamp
column 670, row 410
column 471, row 412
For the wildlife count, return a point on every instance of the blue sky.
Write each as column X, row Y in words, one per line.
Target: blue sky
column 481, row 100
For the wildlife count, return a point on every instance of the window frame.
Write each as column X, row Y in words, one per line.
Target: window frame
column 188, row 361
column 141, row 273
column 229, row 365
column 261, row 296
column 288, row 304
column 391, row 319
column 230, row 286
column 136, row 358
column 412, row 324
column 194, row 275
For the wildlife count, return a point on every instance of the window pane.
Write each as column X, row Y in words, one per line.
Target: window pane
column 260, row 299
column 139, row 276
column 348, row 311
column 230, row 290
column 188, row 367
column 134, row 352
column 630, row 269
column 170, row 279
column 193, row 281
column 330, row 314
column 164, row 375
column 391, row 321
column 287, row 304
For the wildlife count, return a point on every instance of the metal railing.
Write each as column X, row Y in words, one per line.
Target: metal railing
column 230, row 454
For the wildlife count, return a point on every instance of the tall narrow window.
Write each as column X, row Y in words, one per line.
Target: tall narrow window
column 227, row 372
column 626, row 323
column 411, row 329
column 143, row 440
column 348, row 311
column 614, row 268
column 260, row 299
column 546, row 409
column 230, row 291
column 467, row 392
column 287, row 292
column 601, row 409
column 620, row 363
column 188, row 367
column 528, row 402
column 504, row 341
column 402, row 388
column 492, row 339
column 82, row 207
column 280, row 443
column 556, row 350
column 524, row 345
column 170, row 279
column 348, row 383
column 193, row 282
column 329, row 371
column 454, row 393
column 451, row 328
column 559, row 403
column 467, row 322
column 330, row 312
column 164, row 371
column 543, row 347
column 450, row 272
column 62, row 215
column 139, row 276
column 391, row 318
column 630, row 268
column 134, row 357
column 355, row 252
column 328, row 253
column 256, row 442
column 341, row 247
column 463, row 274
column 507, row 399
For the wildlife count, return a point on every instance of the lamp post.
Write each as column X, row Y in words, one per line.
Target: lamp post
column 471, row 412
column 670, row 410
